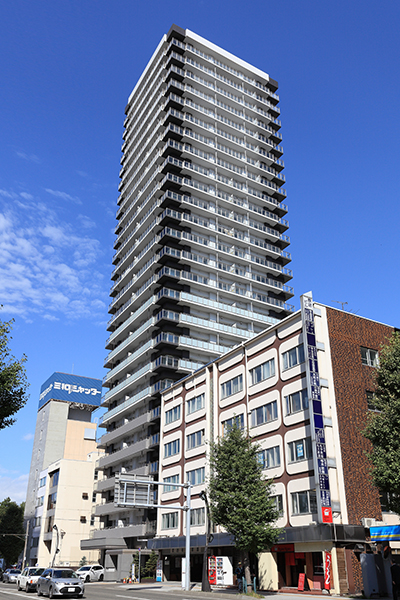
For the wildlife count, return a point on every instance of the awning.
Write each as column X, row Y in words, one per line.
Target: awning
column 389, row 532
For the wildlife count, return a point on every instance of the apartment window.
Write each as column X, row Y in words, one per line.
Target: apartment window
column 197, row 516
column 269, row 458
column 233, row 386
column 35, row 542
column 300, row 450
column 369, row 357
column 92, row 521
column 278, row 501
column 39, row 501
column 196, row 476
column 193, row 440
column 264, row 414
column 85, row 496
column 262, row 372
column 304, row 502
column 52, row 500
column 83, row 519
column 195, row 404
column 94, row 497
column 42, row 482
column 169, row 481
column 236, row 421
column 37, row 522
column 169, row 520
column 171, row 448
column 54, row 477
column 371, row 402
column 172, row 415
column 293, row 357
column 296, row 402
column 96, row 475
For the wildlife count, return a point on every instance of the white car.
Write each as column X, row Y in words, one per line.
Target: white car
column 91, row 573
column 27, row 580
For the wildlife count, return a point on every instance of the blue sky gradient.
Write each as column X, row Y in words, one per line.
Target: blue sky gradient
column 66, row 71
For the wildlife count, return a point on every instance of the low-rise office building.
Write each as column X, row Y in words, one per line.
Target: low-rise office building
column 302, row 391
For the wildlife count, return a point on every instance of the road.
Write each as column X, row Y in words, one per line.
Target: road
column 117, row 591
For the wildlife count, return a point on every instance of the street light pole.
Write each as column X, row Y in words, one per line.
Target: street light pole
column 205, row 582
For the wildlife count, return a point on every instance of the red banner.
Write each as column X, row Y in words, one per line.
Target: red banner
column 328, row 564
column 327, row 514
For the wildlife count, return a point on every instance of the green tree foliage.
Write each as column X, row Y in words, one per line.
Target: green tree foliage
column 83, row 561
column 11, row 522
column 151, row 564
column 383, row 427
column 240, row 498
column 13, row 383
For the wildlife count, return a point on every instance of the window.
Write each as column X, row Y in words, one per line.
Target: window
column 300, row 450
column 236, row 421
column 197, row 516
column 94, row 497
column 168, row 481
column 369, row 357
column 193, row 440
column 269, row 458
column 96, row 475
column 83, row 519
column 278, row 501
column 39, row 501
column 233, row 386
column 42, row 482
column 52, row 500
column 85, row 496
column 195, row 404
column 293, row 357
column 54, row 477
column 304, row 502
column 196, row 476
column 169, row 520
column 171, row 448
column 92, row 521
column 35, row 542
column 296, row 402
column 172, row 415
column 318, row 564
column 263, row 371
column 37, row 522
column 264, row 414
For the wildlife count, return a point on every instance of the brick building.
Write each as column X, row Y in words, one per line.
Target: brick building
column 307, row 416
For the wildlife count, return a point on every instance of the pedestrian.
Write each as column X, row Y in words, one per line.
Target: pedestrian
column 239, row 572
column 395, row 571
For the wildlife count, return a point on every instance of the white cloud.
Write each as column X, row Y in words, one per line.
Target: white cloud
column 28, row 437
column 26, row 196
column 29, row 157
column 14, row 487
column 48, row 267
column 63, row 195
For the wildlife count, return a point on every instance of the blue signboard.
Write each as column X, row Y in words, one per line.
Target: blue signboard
column 315, row 406
column 71, row 388
column 382, row 534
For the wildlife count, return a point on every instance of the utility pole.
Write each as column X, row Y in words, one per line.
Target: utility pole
column 26, row 543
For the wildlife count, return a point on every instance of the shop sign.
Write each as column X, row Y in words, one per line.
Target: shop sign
column 315, row 407
column 328, row 565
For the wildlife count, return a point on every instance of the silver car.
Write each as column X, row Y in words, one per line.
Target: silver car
column 60, row 582
column 28, row 578
column 10, row 576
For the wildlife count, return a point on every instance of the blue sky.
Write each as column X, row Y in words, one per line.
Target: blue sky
column 66, row 71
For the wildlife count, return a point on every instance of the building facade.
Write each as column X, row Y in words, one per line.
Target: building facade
column 60, row 485
column 303, row 393
column 200, row 253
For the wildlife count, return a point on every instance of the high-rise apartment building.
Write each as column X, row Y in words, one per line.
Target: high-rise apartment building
column 200, row 253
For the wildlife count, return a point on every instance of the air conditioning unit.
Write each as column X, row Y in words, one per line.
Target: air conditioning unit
column 367, row 522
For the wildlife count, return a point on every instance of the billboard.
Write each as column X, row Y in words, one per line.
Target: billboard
column 71, row 388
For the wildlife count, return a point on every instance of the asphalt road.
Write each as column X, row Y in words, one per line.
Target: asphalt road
column 117, row 591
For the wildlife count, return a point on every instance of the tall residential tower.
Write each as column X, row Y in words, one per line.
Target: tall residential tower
column 200, row 253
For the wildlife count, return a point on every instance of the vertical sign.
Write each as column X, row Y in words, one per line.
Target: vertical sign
column 159, row 571
column 327, row 578
column 315, row 406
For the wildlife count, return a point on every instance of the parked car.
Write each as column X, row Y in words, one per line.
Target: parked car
column 10, row 576
column 60, row 582
column 91, row 573
column 27, row 580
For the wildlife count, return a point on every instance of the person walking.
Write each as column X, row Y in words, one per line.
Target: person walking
column 395, row 572
column 239, row 572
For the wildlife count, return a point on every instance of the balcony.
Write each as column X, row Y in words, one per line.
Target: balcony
column 123, row 454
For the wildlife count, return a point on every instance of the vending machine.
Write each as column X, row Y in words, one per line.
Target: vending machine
column 220, row 570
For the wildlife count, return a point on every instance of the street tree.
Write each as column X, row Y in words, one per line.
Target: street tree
column 11, row 530
column 13, row 382
column 383, row 425
column 240, row 498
